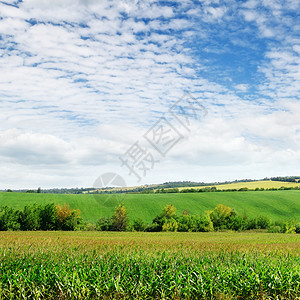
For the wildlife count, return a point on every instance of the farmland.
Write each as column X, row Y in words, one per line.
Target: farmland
column 277, row 205
column 88, row 265
column 265, row 184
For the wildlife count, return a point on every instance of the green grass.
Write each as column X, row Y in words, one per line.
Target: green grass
column 277, row 205
column 102, row 265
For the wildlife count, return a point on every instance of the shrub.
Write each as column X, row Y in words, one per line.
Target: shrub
column 139, row 225
column 9, row 219
column 47, row 217
column 274, row 229
column 90, row 227
column 286, row 227
column 104, row 224
column 29, row 218
column 170, row 225
column 262, row 222
column 187, row 223
column 153, row 228
column 169, row 212
column 237, row 223
column 204, row 223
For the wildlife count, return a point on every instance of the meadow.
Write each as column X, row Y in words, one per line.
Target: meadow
column 102, row 265
column 277, row 205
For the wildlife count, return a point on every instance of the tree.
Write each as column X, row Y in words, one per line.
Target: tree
column 66, row 218
column 8, row 219
column 169, row 211
column 204, row 223
column 139, row 225
column 120, row 219
column 170, row 225
column 168, row 215
column 47, row 217
column 39, row 190
column 104, row 224
column 221, row 215
column 29, row 218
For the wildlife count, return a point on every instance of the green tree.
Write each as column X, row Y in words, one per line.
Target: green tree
column 204, row 223
column 48, row 217
column 67, row 218
column 104, row 224
column 120, row 219
column 221, row 215
column 9, row 219
column 139, row 225
column 170, row 225
column 29, row 218
column 169, row 211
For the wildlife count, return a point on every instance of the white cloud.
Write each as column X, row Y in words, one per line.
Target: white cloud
column 242, row 87
column 81, row 81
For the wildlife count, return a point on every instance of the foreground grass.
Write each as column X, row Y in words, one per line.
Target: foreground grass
column 93, row 265
column 277, row 205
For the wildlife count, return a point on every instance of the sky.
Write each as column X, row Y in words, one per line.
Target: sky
column 152, row 91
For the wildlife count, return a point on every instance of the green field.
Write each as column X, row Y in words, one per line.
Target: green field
column 102, row 265
column 277, row 205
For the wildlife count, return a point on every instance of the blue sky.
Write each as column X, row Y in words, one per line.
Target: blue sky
column 82, row 80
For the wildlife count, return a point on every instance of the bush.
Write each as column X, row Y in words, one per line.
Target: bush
column 9, row 219
column 169, row 212
column 139, row 225
column 104, row 224
column 29, row 218
column 289, row 227
column 262, row 222
column 204, row 223
column 237, row 223
column 274, row 229
column 47, row 217
column 286, row 227
column 90, row 227
column 170, row 225
column 153, row 228
column 187, row 223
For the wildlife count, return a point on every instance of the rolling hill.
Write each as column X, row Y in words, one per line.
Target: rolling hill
column 278, row 205
column 266, row 184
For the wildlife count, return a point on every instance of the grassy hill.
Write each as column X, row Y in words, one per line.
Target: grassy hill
column 266, row 184
column 278, row 205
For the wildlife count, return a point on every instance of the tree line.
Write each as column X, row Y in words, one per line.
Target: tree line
column 40, row 217
column 215, row 189
column 62, row 217
column 220, row 218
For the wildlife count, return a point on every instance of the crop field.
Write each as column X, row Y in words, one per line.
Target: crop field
column 101, row 265
column 277, row 205
column 266, row 184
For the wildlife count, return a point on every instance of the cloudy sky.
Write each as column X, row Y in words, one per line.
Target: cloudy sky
column 84, row 84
